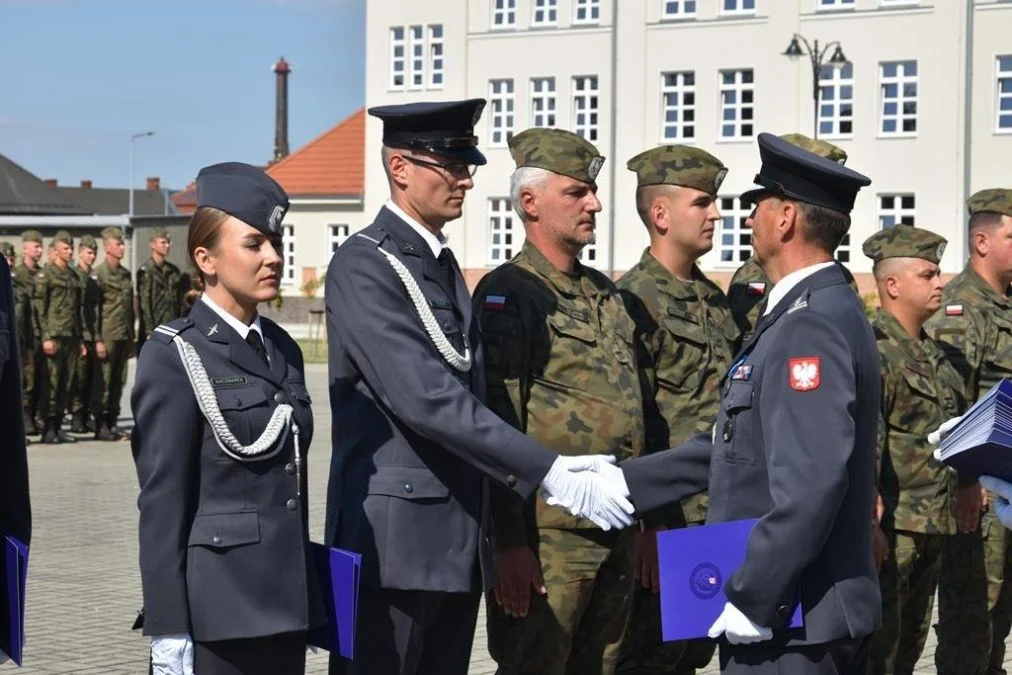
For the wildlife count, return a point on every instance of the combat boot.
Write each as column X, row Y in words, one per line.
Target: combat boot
column 31, row 428
column 120, row 433
column 53, row 434
column 103, row 432
column 78, row 425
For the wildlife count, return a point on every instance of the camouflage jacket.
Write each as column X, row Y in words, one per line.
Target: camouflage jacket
column 690, row 337
column 161, row 289
column 561, row 366
column 746, row 295
column 117, row 302
column 24, row 290
column 91, row 304
column 920, row 390
column 57, row 302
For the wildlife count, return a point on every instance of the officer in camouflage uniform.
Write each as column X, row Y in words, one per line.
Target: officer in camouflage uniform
column 974, row 328
column 161, row 287
column 116, row 331
column 57, row 304
column 685, row 323
column 920, row 391
column 562, row 366
column 85, row 375
column 32, row 358
column 749, row 286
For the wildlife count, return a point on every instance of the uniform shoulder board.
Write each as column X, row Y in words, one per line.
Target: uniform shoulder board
column 165, row 332
column 800, row 303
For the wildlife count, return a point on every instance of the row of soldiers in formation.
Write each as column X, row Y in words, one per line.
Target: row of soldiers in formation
column 940, row 350
column 76, row 327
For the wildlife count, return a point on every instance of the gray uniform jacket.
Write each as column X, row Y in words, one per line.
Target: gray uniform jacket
column 223, row 544
column 15, row 506
column 793, row 445
column 412, row 440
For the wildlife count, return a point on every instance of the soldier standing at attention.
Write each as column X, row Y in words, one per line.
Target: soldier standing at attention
column 974, row 328
column 160, row 285
column 32, row 359
column 85, row 375
column 920, row 391
column 57, row 305
column 7, row 250
column 685, row 322
column 116, row 331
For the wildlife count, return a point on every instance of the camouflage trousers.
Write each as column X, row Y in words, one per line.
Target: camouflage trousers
column 33, row 376
column 60, row 367
column 908, row 581
column 114, row 376
column 974, row 602
column 576, row 628
column 84, row 381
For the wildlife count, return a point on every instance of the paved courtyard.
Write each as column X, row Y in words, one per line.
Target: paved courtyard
column 84, row 589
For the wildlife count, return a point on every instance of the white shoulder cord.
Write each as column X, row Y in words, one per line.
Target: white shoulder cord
column 461, row 362
column 261, row 449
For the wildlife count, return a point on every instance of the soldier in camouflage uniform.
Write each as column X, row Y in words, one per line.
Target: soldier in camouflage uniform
column 32, row 358
column 920, row 391
column 7, row 250
column 57, row 304
column 160, row 286
column 84, row 377
column 974, row 328
column 562, row 366
column 685, row 323
column 116, row 331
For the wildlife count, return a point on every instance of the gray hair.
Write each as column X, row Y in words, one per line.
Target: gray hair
column 523, row 178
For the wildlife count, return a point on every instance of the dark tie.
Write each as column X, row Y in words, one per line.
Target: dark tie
column 447, row 265
column 254, row 340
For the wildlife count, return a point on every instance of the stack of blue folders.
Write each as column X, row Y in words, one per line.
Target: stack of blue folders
column 338, row 572
column 981, row 443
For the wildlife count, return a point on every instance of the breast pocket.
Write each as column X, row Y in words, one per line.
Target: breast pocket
column 449, row 324
column 573, row 345
column 246, row 411
column 681, row 369
column 734, row 433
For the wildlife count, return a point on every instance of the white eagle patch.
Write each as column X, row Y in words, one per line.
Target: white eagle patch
column 804, row 373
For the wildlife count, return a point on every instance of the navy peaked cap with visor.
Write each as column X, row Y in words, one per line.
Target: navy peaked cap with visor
column 445, row 128
column 791, row 172
column 245, row 192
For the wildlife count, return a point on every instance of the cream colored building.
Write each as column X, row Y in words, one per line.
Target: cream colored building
column 712, row 73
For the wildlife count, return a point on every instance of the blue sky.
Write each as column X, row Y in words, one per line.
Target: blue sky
column 81, row 76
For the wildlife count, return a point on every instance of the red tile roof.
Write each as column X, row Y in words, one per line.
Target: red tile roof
column 185, row 200
column 331, row 164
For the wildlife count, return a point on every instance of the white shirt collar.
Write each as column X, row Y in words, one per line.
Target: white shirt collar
column 436, row 243
column 239, row 327
column 784, row 286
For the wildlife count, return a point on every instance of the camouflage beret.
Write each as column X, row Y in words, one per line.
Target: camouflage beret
column 32, row 235
column 558, row 151
column 815, row 146
column 64, row 236
column 998, row 200
column 678, row 165
column 7, row 249
column 904, row 241
column 159, row 233
column 87, row 241
column 112, row 233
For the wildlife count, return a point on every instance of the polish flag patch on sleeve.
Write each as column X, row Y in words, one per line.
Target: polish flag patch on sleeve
column 953, row 310
column 804, row 373
column 495, row 302
column 756, row 288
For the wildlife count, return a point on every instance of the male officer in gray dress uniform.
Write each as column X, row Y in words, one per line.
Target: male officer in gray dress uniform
column 412, row 442
column 794, row 441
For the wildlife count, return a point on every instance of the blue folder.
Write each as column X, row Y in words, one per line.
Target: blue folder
column 695, row 563
column 981, row 443
column 12, row 598
column 339, row 573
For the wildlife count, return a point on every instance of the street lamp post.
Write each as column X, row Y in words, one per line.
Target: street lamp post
column 817, row 57
column 133, row 145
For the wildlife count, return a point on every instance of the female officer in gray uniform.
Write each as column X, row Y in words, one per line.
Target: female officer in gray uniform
column 222, row 426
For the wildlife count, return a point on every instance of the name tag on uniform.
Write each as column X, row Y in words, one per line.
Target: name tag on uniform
column 229, row 381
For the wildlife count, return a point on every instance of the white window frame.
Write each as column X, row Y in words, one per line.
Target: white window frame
column 831, row 108
column 843, row 251
column 288, row 251
column 732, row 227
column 822, row 5
column 586, row 102
column 501, row 105
column 505, row 17
column 396, row 42
column 897, row 212
column 739, row 8
column 592, row 9
column 739, row 88
column 901, row 81
column 416, row 57
column 675, row 92
column 337, row 234
column 549, row 10
column 500, row 222
column 898, row 3
column 678, row 9
column 1003, row 77
column 436, row 48
column 588, row 255
column 543, row 102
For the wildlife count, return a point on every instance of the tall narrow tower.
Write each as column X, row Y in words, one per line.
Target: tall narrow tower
column 281, row 70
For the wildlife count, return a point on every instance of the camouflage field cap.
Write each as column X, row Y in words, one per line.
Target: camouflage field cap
column 904, row 241
column 87, row 241
column 820, row 148
column 678, row 165
column 112, row 233
column 63, row 236
column 159, row 233
column 998, row 200
column 558, row 151
column 32, row 235
column 7, row 249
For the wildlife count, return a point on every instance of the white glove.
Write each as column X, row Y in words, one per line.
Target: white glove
column 738, row 628
column 172, row 655
column 1002, row 505
column 936, row 436
column 575, row 484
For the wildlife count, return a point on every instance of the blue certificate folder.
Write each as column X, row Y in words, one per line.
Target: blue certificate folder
column 695, row 563
column 981, row 443
column 12, row 598
column 339, row 573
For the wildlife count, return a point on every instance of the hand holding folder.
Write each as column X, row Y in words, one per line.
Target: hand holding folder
column 14, row 561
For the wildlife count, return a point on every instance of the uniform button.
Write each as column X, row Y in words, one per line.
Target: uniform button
column 408, row 488
column 784, row 611
column 280, row 397
column 290, row 469
column 216, row 540
column 511, row 481
column 291, row 505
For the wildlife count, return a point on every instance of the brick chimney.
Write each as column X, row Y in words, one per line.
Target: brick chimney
column 51, row 182
column 281, row 70
column 86, row 184
column 154, row 183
